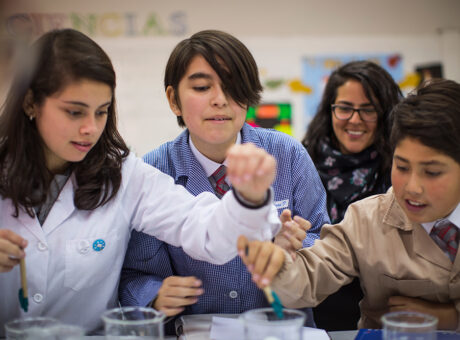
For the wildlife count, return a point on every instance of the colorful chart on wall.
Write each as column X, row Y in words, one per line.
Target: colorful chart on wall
column 271, row 115
column 316, row 71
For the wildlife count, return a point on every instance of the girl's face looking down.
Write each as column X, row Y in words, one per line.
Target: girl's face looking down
column 354, row 135
column 71, row 121
column 426, row 182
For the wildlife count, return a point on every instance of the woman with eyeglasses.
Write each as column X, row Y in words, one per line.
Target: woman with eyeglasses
column 348, row 142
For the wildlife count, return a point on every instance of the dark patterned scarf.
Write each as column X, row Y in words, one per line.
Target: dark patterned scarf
column 348, row 178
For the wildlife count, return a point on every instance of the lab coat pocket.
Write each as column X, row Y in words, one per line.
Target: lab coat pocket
column 416, row 288
column 90, row 261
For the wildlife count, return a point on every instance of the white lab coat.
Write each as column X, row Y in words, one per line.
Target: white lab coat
column 69, row 280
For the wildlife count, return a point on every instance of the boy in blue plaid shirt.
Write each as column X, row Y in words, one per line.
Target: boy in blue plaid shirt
column 211, row 79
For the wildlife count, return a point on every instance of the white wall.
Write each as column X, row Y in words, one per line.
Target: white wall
column 278, row 33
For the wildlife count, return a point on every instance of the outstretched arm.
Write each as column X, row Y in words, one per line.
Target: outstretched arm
column 204, row 226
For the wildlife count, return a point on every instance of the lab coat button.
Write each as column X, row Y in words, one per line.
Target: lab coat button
column 42, row 246
column 233, row 294
column 83, row 247
column 38, row 298
column 84, row 250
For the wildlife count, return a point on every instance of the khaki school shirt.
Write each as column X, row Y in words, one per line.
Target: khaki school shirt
column 377, row 243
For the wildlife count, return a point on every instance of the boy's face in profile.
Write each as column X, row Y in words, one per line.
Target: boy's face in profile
column 213, row 118
column 425, row 181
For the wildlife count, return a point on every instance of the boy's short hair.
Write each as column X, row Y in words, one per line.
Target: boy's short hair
column 432, row 116
column 228, row 56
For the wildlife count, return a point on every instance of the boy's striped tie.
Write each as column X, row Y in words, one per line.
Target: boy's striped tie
column 217, row 180
column 446, row 236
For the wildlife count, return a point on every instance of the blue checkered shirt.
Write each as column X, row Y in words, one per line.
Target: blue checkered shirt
column 228, row 288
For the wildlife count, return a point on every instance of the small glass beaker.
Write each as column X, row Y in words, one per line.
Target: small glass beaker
column 263, row 323
column 409, row 326
column 22, row 329
column 133, row 322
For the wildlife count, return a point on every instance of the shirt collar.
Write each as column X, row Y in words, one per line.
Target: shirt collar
column 208, row 165
column 454, row 217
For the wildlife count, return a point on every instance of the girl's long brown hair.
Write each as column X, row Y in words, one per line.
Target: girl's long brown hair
column 56, row 59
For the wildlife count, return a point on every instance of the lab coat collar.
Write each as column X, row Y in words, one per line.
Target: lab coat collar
column 62, row 208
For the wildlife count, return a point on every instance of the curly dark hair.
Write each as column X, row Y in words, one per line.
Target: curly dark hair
column 382, row 92
column 55, row 60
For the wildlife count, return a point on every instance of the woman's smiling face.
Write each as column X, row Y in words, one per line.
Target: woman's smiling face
column 354, row 135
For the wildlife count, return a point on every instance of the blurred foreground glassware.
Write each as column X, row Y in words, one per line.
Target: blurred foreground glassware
column 133, row 323
column 264, row 324
column 42, row 328
column 409, row 326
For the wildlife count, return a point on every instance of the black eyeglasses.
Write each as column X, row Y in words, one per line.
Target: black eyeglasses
column 345, row 112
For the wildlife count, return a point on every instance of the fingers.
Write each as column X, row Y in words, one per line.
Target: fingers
column 263, row 260
column 445, row 312
column 251, row 254
column 242, row 245
column 10, row 249
column 293, row 229
column 399, row 303
column 242, row 162
column 248, row 251
column 302, row 223
column 285, row 216
column 397, row 308
column 297, row 226
column 294, row 237
column 407, row 303
column 392, row 300
column 169, row 311
column 397, row 300
column 177, row 292
column 11, row 252
column 7, row 264
column 268, row 264
column 251, row 170
column 11, row 237
column 245, row 161
column 293, row 232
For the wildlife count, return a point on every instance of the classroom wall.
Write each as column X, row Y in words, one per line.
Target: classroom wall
column 139, row 35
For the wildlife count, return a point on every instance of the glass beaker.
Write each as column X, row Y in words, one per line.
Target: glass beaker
column 409, row 326
column 133, row 322
column 263, row 323
column 30, row 328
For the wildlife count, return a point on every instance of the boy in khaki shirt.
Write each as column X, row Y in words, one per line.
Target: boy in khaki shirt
column 387, row 240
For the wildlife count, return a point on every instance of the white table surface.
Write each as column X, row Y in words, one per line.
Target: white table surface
column 197, row 327
column 101, row 337
column 337, row 335
column 342, row 335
